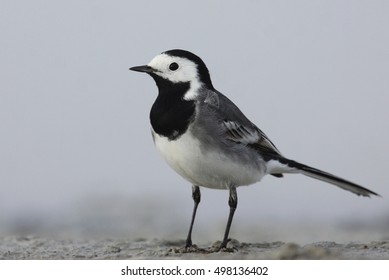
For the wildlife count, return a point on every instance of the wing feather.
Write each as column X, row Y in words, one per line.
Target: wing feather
column 250, row 136
column 236, row 126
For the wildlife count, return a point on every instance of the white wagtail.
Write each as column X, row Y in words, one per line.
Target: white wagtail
column 207, row 140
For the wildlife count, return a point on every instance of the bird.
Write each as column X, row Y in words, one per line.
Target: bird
column 206, row 139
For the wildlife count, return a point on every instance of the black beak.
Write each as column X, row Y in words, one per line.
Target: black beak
column 143, row 68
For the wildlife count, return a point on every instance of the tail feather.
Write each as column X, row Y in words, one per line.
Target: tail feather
column 326, row 177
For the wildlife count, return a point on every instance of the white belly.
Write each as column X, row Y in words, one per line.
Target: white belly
column 207, row 169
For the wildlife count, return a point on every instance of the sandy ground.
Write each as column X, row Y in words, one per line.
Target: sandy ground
column 114, row 232
column 34, row 247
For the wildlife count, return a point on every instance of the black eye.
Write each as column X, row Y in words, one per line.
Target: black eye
column 173, row 66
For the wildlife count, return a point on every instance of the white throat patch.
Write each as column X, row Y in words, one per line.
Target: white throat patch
column 186, row 72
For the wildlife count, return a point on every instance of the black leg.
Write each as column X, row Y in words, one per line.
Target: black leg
column 232, row 202
column 196, row 195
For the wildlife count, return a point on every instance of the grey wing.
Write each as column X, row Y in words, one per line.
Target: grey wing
column 237, row 127
column 252, row 137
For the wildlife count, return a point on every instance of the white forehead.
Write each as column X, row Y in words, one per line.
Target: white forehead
column 186, row 72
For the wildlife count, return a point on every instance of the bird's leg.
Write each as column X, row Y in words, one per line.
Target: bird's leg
column 232, row 202
column 196, row 195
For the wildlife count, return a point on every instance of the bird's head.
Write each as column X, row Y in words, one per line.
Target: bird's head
column 177, row 67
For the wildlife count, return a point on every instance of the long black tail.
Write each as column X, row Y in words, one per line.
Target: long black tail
column 326, row 177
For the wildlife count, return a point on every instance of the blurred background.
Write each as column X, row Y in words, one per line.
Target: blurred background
column 76, row 153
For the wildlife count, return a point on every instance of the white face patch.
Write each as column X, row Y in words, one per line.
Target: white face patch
column 186, row 72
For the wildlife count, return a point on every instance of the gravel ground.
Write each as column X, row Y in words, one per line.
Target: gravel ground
column 34, row 247
column 116, row 229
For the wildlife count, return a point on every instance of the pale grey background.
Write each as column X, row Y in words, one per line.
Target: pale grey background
column 75, row 143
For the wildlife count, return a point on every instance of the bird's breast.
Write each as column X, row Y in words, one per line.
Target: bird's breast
column 206, row 167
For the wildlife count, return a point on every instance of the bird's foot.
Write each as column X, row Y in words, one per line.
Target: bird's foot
column 229, row 246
